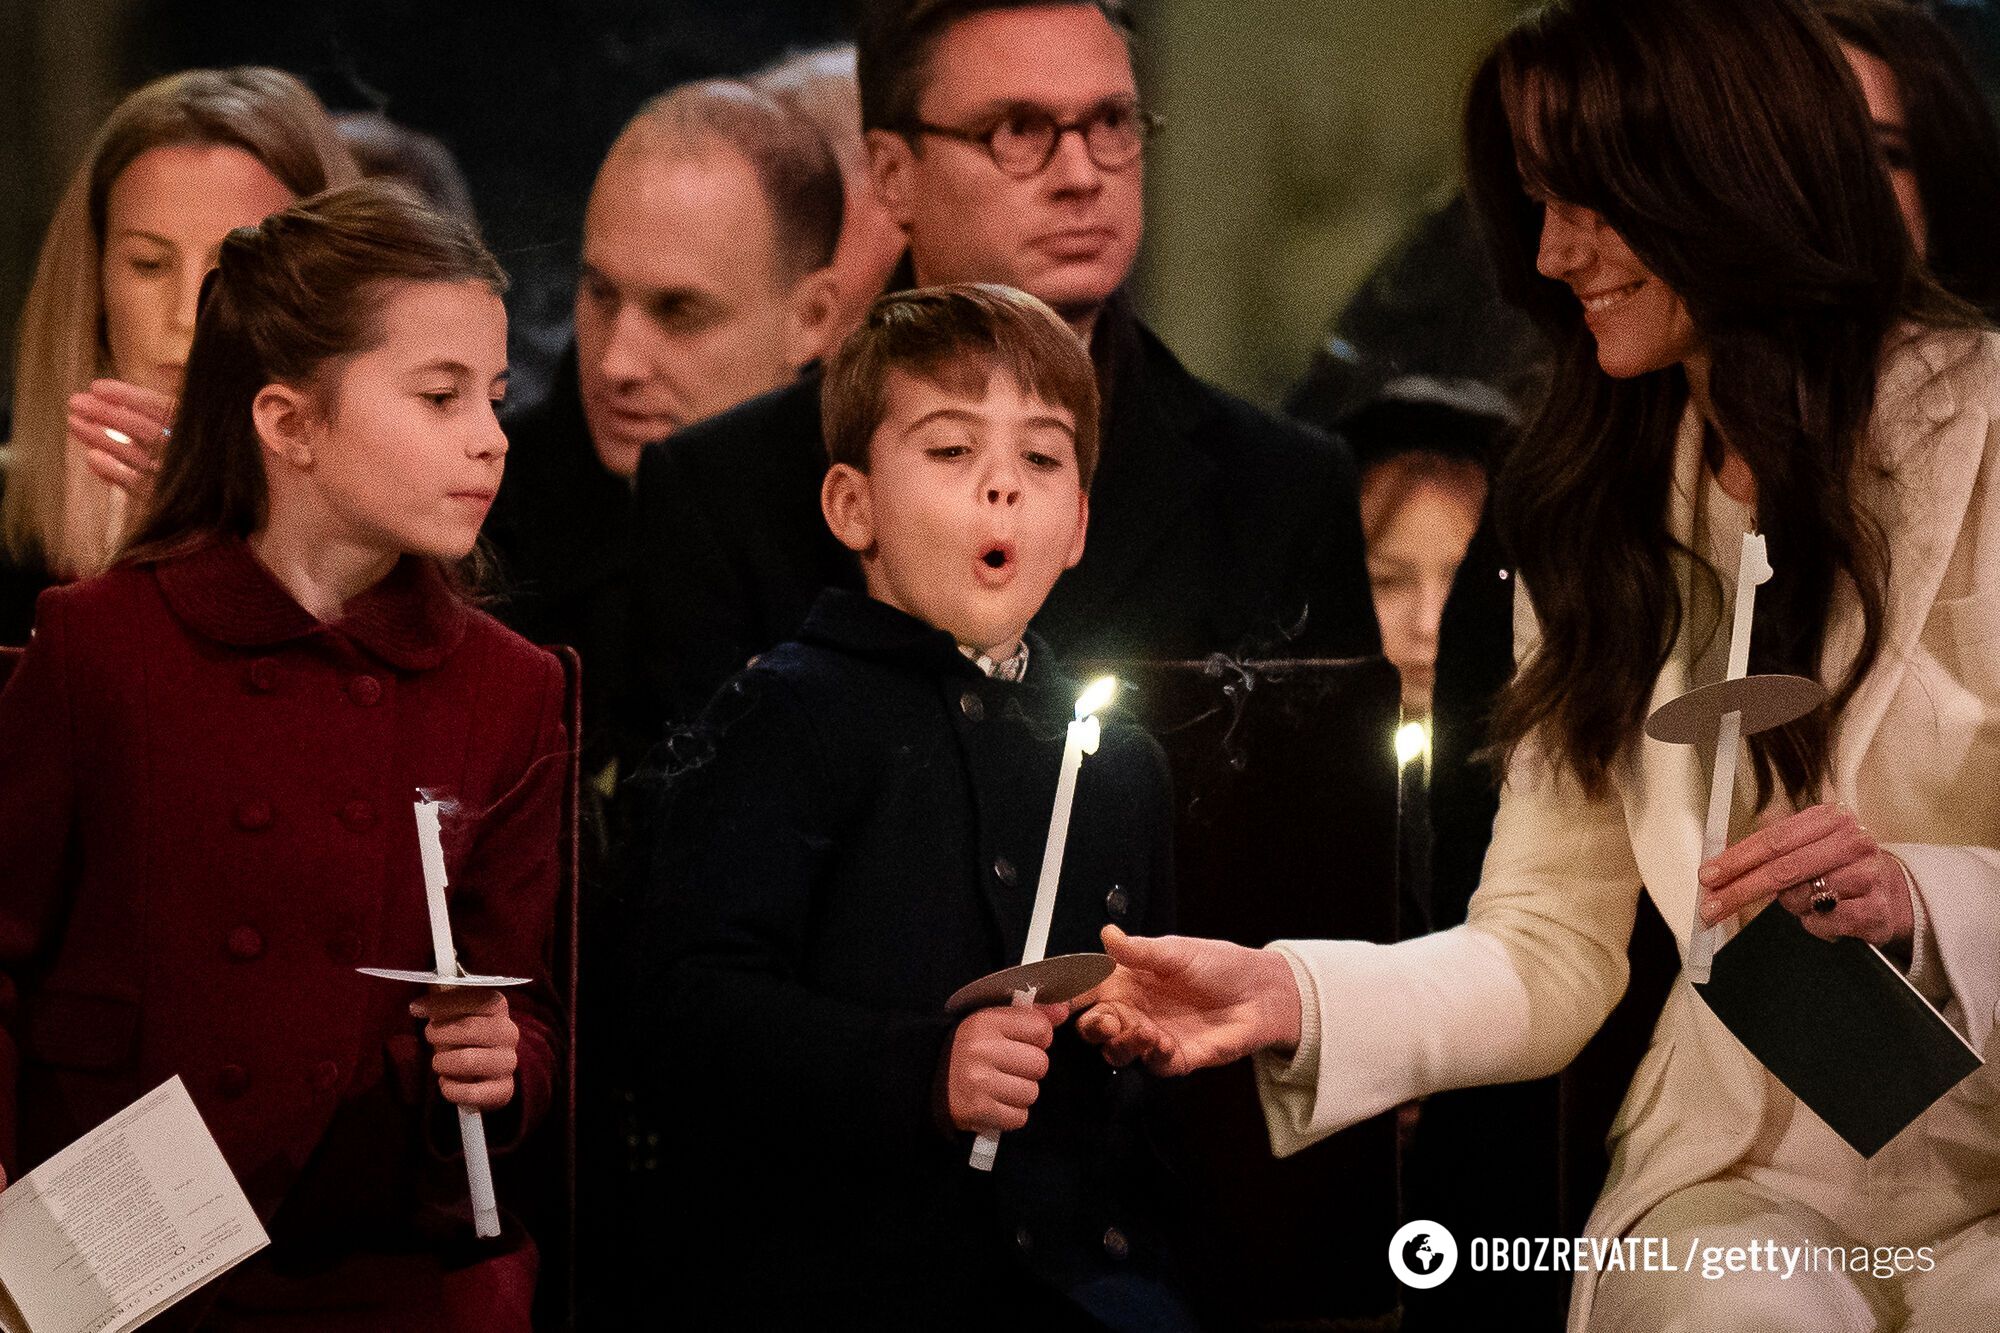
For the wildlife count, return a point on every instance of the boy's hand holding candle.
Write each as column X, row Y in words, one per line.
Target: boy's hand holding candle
column 998, row 1057
column 475, row 1041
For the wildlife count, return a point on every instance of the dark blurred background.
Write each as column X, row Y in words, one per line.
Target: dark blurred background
column 1304, row 136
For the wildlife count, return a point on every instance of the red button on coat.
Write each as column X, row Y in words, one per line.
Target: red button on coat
column 344, row 948
column 262, row 676
column 246, row 944
column 358, row 816
column 365, row 690
column 253, row 815
column 326, row 1076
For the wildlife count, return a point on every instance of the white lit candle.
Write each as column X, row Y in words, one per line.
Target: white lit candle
column 471, row 1128
column 1082, row 739
column 1752, row 568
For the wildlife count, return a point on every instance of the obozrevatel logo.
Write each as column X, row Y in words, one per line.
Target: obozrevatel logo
column 1422, row 1254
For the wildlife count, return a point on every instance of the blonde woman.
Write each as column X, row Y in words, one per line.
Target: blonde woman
column 107, row 323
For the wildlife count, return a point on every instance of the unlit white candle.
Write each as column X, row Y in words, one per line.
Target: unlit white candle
column 471, row 1128
column 430, row 846
column 1753, row 567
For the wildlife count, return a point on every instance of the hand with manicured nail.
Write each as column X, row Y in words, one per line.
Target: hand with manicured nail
column 1181, row 1004
column 1824, row 842
column 122, row 430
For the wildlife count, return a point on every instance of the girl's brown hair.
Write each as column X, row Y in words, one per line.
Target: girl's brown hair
column 56, row 510
column 288, row 298
column 1725, row 142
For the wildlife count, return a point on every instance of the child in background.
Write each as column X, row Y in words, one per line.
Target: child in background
column 211, row 755
column 860, row 834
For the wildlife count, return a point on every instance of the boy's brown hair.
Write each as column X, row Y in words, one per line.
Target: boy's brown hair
column 956, row 336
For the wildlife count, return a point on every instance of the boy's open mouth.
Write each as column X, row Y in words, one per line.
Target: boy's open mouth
column 995, row 564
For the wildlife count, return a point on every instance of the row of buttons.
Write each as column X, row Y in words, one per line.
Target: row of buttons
column 1115, row 1242
column 1116, row 903
column 261, row 677
column 253, row 816
column 246, row 945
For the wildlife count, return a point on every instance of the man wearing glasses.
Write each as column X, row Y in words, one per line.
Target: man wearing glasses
column 1008, row 140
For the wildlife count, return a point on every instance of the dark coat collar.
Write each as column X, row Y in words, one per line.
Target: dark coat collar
column 1150, row 464
column 853, row 622
column 411, row 620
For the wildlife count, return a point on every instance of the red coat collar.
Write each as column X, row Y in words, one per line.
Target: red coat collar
column 411, row 620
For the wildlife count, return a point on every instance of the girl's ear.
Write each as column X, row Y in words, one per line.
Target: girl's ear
column 848, row 502
column 284, row 417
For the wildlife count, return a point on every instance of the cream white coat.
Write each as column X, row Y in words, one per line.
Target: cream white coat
column 1516, row 991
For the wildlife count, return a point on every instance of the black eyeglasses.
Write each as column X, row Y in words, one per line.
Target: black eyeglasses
column 1023, row 140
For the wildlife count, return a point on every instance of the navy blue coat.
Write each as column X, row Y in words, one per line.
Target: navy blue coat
column 855, row 832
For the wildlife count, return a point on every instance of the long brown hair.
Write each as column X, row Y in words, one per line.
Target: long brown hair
column 1954, row 146
column 1725, row 142
column 287, row 298
column 56, row 510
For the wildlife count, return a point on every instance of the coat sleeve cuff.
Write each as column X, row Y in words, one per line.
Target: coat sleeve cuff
column 1925, row 973
column 1288, row 1087
column 1960, row 887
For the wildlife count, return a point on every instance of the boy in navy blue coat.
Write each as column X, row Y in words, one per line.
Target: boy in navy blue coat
column 856, row 830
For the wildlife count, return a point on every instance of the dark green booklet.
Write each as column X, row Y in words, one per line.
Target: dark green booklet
column 1838, row 1024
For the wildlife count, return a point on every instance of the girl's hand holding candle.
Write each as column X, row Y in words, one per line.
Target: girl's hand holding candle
column 475, row 1041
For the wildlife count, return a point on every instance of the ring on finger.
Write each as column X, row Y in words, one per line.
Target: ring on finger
column 1824, row 899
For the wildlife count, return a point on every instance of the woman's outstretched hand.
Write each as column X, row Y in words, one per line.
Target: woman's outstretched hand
column 1182, row 1004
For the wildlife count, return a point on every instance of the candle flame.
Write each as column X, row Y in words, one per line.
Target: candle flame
column 1096, row 697
column 1413, row 739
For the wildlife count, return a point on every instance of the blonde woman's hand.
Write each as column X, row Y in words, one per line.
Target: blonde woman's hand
column 122, row 430
column 1870, row 893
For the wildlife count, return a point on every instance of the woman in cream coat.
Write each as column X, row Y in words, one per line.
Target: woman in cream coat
column 1686, row 194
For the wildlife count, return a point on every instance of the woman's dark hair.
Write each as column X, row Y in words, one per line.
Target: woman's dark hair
column 287, row 298
column 1725, row 142
column 1954, row 147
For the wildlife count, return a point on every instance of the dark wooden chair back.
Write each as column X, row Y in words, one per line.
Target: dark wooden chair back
column 1286, row 791
column 541, row 1178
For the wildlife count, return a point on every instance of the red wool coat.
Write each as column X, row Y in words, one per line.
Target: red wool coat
column 205, row 825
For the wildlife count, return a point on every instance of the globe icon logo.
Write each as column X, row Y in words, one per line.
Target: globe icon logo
column 1422, row 1254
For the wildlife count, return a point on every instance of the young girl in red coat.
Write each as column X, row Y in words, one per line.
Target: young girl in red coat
column 208, row 758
